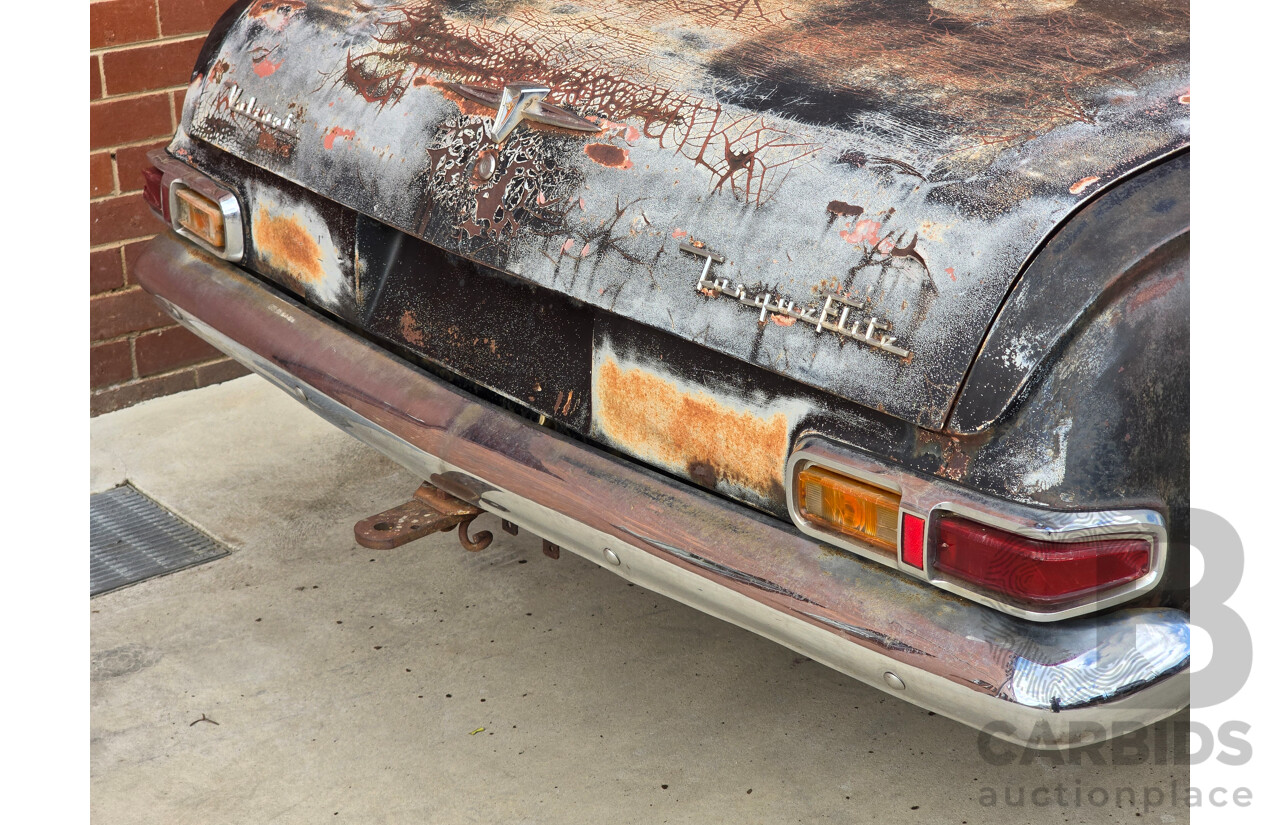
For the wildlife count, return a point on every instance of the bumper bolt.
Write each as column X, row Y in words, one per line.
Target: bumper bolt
column 611, row 556
column 894, row 681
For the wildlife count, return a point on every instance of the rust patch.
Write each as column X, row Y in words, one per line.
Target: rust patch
column 426, row 38
column 622, row 130
column 466, row 105
column 268, row 142
column 1082, row 184
column 956, row 466
column 953, row 461
column 286, row 243
column 1153, row 292
column 1006, row 9
column 409, row 329
column 908, row 251
column 221, row 68
column 497, row 206
column 711, row 441
column 606, row 155
column 844, row 210
column 275, row 11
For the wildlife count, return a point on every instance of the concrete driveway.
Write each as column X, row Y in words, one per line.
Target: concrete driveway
column 428, row 684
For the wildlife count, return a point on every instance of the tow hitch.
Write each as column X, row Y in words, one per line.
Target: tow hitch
column 431, row 510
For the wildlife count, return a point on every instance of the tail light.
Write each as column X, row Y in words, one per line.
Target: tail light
column 197, row 207
column 1044, row 574
column 200, row 216
column 854, row 508
column 1025, row 560
column 153, row 192
column 913, row 541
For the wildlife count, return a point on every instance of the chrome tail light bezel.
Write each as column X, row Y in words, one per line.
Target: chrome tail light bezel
column 933, row 499
column 176, row 175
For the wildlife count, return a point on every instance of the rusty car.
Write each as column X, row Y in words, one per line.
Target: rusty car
column 859, row 324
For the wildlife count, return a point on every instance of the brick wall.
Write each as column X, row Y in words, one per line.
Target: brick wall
column 140, row 58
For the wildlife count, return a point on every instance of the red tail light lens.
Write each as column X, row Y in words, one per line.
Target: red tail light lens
column 913, row 540
column 1041, row 573
column 153, row 191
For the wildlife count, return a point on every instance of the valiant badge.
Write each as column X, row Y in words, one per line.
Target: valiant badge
column 833, row 314
column 251, row 110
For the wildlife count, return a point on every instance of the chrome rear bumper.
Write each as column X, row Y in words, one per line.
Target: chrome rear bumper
column 1047, row 685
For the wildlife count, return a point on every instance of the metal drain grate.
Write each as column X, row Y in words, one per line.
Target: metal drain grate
column 132, row 538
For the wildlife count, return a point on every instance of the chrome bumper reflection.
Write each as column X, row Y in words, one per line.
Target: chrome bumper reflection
column 1055, row 684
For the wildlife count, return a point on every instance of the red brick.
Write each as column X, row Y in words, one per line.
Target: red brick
column 104, row 271
column 187, row 16
column 113, row 122
column 95, row 78
column 100, row 179
column 116, row 22
column 219, row 371
column 154, row 66
column 169, row 349
column 119, row 313
column 119, row 218
column 127, row 395
column 130, row 161
column 109, row 364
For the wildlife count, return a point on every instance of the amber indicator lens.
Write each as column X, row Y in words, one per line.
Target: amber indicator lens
column 1041, row 573
column 849, row 506
column 201, row 217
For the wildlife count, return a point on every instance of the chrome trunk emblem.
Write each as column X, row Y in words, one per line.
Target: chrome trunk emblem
column 837, row 313
column 250, row 109
column 517, row 100
column 521, row 101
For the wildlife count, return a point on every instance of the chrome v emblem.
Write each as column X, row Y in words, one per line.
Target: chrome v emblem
column 521, row 101
column 518, row 99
